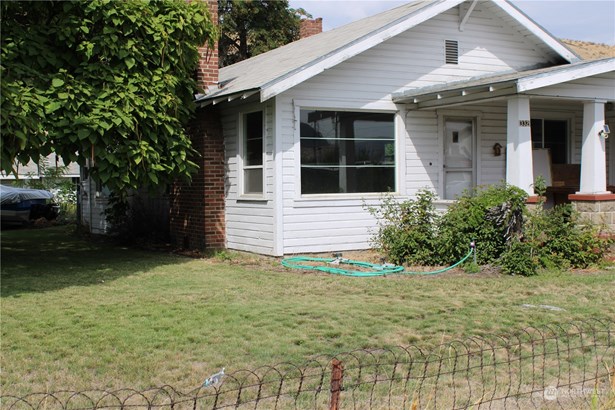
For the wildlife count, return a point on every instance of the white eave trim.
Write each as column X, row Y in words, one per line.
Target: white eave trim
column 308, row 71
column 205, row 101
column 566, row 74
column 473, row 93
column 460, row 97
column 537, row 30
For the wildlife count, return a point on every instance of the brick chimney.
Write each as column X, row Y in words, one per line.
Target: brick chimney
column 310, row 27
column 196, row 214
column 207, row 72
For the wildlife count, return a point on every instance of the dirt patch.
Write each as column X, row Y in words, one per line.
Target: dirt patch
column 273, row 264
column 371, row 256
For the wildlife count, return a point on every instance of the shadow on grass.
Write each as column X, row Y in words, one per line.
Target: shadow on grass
column 46, row 259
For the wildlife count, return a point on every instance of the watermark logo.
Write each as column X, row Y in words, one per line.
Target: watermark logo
column 550, row 393
column 553, row 393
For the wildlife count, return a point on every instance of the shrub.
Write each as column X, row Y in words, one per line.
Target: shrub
column 506, row 233
column 407, row 231
column 519, row 259
column 490, row 216
column 554, row 239
column 562, row 240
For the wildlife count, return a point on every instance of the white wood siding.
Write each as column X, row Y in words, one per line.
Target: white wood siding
column 493, row 116
column 249, row 221
column 411, row 59
column 416, row 59
column 423, row 152
column 285, row 222
column 316, row 223
column 491, row 130
column 342, row 223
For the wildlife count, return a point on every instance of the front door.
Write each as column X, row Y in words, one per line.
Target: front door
column 459, row 156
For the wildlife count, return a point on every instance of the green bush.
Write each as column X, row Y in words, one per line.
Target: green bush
column 519, row 259
column 407, row 231
column 506, row 233
column 562, row 240
column 490, row 216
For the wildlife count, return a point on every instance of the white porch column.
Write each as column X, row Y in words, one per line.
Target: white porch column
column 593, row 152
column 519, row 166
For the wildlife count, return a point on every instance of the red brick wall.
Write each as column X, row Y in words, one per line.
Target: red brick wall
column 196, row 217
column 197, row 208
column 207, row 72
column 310, row 27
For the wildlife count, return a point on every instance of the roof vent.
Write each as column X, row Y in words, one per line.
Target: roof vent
column 451, row 51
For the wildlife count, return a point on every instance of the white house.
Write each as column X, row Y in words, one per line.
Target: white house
column 444, row 95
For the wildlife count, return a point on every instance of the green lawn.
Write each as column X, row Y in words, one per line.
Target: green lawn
column 83, row 315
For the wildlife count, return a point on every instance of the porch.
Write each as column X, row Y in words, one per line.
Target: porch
column 556, row 126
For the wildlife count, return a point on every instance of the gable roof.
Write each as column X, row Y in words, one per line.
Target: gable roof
column 278, row 70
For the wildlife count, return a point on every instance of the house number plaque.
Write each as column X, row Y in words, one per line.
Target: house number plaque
column 524, row 123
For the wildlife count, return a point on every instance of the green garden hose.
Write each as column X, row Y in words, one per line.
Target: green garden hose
column 376, row 270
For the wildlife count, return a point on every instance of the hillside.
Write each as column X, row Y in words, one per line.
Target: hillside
column 590, row 51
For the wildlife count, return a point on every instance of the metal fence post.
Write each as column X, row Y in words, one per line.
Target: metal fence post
column 337, row 377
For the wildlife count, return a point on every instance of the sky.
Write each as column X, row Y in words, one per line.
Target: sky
column 586, row 20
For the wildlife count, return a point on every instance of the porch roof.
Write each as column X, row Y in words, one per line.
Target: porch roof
column 502, row 85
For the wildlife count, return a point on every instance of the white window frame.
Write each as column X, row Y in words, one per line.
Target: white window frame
column 343, row 106
column 241, row 157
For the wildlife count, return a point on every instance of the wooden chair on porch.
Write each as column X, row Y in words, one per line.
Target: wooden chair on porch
column 566, row 180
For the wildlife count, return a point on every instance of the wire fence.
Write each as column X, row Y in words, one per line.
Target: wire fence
column 569, row 366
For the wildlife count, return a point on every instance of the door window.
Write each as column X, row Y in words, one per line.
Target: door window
column 459, row 157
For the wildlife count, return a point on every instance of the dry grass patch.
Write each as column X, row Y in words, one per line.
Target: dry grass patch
column 82, row 315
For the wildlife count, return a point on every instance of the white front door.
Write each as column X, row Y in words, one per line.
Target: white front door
column 459, row 156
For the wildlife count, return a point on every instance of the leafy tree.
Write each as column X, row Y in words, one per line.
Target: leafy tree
column 252, row 27
column 109, row 81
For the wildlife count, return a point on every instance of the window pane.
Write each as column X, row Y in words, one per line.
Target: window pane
column 334, row 180
column 253, row 138
column 346, row 152
column 537, row 133
column 458, row 139
column 320, row 151
column 377, row 179
column 456, row 183
column 253, row 181
column 320, row 180
column 372, row 125
column 369, row 152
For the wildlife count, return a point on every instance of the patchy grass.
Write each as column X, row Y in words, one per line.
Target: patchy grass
column 82, row 315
